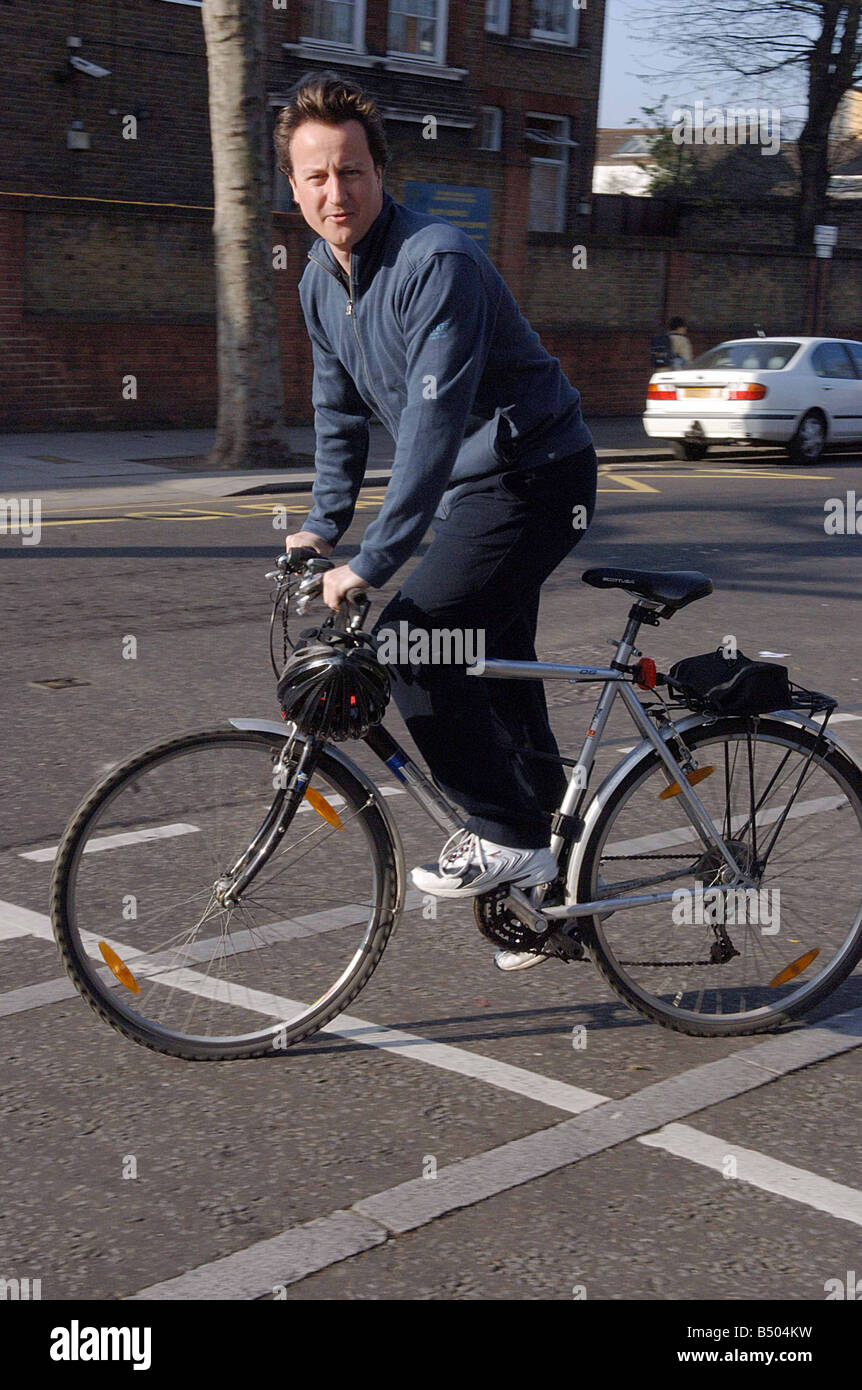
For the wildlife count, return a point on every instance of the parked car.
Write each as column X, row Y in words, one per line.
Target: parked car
column 803, row 393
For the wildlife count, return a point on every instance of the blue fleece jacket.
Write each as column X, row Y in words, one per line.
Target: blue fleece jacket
column 425, row 334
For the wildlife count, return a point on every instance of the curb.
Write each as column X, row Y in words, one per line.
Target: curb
column 375, row 477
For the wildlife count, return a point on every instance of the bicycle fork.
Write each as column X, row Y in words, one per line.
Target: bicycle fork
column 290, row 788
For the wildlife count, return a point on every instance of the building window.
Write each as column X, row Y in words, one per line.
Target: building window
column 548, row 146
column 497, row 16
column 490, row 128
column 556, row 20
column 339, row 22
column 417, row 29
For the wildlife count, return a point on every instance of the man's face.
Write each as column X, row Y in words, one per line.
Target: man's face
column 335, row 183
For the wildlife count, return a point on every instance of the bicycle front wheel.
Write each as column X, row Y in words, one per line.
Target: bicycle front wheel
column 138, row 920
column 710, row 961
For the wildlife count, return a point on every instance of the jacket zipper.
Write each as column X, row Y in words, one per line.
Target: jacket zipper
column 350, row 311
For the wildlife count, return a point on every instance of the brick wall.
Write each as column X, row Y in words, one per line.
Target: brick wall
column 144, row 264
column 156, row 56
column 66, row 352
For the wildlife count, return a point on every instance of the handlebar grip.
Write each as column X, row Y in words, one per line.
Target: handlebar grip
column 299, row 556
column 354, row 604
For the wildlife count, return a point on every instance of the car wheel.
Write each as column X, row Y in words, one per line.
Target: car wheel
column 686, row 449
column 807, row 444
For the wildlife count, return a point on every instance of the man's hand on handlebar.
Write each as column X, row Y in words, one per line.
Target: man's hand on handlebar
column 308, row 540
column 338, row 582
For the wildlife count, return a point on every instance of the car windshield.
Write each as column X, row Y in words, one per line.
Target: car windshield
column 757, row 355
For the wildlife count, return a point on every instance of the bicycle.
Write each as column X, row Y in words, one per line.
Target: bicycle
column 228, row 892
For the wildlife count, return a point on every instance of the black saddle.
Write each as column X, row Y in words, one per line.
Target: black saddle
column 673, row 588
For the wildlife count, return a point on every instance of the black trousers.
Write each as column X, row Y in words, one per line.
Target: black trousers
column 495, row 542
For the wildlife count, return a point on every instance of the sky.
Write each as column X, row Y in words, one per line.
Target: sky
column 622, row 95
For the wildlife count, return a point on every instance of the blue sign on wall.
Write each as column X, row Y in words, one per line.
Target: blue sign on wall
column 468, row 208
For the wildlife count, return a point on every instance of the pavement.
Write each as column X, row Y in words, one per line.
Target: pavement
column 152, row 465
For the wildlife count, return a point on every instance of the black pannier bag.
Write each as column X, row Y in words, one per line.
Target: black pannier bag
column 731, row 685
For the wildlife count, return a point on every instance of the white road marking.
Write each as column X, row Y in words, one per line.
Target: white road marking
column 303, row 1250
column 664, row 838
column 118, row 841
column 757, row 1169
column 21, row 921
column 573, row 1099
column 162, row 832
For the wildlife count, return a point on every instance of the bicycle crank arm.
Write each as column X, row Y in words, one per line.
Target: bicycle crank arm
column 520, row 906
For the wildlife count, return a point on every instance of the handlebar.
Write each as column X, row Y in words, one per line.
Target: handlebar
column 353, row 609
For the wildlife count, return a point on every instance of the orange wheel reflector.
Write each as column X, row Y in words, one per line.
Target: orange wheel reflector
column 691, row 777
column 122, row 972
column 795, row 968
column 322, row 807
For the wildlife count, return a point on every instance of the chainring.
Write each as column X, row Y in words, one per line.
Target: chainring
column 499, row 925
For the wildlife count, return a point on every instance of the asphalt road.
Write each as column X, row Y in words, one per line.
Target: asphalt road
column 229, row 1156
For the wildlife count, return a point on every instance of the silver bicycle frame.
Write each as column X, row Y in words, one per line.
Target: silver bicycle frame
column 615, row 682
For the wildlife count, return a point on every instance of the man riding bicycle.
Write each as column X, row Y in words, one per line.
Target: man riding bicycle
column 410, row 321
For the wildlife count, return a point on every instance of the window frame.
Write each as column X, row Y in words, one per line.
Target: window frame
column 357, row 44
column 842, row 347
column 441, row 37
column 554, row 36
column 855, row 356
column 497, row 128
column 564, row 164
column 502, row 25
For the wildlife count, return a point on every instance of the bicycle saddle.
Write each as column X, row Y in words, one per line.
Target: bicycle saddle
column 673, row 588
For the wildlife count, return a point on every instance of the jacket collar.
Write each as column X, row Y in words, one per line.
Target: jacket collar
column 365, row 255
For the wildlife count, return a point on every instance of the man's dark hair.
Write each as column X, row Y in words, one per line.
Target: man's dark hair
column 676, row 323
column 324, row 96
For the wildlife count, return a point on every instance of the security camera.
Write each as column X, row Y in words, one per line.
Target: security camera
column 91, row 69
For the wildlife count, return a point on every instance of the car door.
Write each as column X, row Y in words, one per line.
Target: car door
column 836, row 388
column 855, row 350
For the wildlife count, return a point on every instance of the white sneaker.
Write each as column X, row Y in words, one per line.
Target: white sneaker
column 469, row 866
column 518, row 960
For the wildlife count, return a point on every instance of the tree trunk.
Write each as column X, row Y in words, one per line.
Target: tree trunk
column 250, row 428
column 813, row 184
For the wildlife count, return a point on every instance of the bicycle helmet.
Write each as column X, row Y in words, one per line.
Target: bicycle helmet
column 333, row 686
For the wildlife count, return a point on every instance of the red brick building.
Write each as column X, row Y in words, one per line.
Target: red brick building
column 106, row 179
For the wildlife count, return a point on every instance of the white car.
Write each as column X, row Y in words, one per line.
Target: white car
column 803, row 393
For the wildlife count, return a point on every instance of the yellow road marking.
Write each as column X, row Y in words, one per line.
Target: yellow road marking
column 633, row 484
column 371, row 498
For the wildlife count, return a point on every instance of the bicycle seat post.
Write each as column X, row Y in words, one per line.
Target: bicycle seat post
column 643, row 611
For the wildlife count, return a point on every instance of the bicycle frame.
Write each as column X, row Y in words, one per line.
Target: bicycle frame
column 616, row 683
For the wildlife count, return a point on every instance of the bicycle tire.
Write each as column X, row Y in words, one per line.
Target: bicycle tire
column 593, row 932
column 94, row 984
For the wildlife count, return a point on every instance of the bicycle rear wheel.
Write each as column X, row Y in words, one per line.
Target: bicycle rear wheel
column 710, row 962
column 140, row 927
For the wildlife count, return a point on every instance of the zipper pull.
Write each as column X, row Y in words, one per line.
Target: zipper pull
column 349, row 309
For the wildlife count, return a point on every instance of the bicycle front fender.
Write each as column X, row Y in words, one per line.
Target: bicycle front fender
column 274, row 726
column 622, row 770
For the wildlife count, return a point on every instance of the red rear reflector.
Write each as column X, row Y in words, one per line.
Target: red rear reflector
column 661, row 392
column 751, row 391
column 353, row 699
column 646, row 673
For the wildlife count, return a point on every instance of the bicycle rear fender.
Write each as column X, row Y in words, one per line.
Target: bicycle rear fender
column 681, row 726
column 273, row 726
